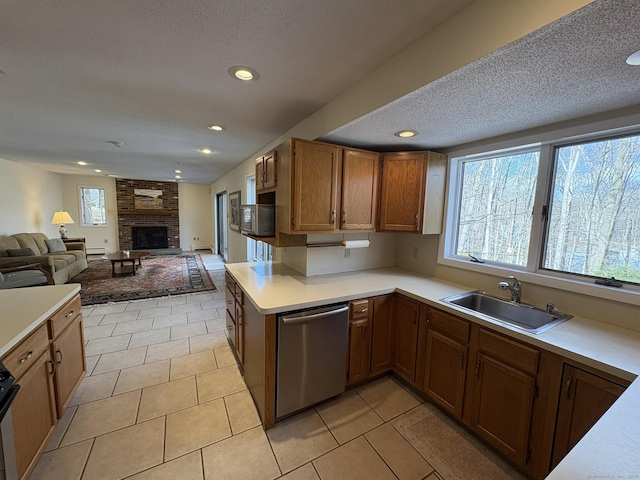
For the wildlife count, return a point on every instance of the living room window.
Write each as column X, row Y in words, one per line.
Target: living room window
column 562, row 213
column 93, row 210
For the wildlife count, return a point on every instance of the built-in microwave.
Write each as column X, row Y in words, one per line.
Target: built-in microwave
column 258, row 220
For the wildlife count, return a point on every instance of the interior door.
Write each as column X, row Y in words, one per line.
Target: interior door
column 221, row 225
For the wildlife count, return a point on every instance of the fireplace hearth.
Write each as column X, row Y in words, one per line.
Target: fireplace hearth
column 146, row 238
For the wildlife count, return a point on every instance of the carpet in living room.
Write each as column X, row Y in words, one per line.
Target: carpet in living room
column 159, row 276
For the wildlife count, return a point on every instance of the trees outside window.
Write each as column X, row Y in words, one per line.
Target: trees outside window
column 93, row 210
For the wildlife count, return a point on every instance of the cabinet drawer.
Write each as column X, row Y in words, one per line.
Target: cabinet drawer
column 228, row 279
column 63, row 317
column 513, row 353
column 359, row 309
column 230, row 300
column 23, row 355
column 454, row 327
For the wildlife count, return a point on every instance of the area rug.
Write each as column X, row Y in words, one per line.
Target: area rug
column 159, row 276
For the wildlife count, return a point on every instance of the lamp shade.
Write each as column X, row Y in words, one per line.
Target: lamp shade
column 61, row 218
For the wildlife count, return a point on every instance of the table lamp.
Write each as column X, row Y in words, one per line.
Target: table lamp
column 61, row 218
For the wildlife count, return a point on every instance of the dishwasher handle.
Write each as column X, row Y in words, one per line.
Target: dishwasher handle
column 306, row 317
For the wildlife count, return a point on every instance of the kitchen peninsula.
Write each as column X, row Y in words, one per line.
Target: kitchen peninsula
column 609, row 448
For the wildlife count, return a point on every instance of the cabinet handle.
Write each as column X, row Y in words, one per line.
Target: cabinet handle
column 569, row 380
column 462, row 361
column 70, row 314
column 344, row 216
column 60, row 356
column 53, row 367
column 333, row 216
column 26, row 357
column 363, row 310
column 478, row 369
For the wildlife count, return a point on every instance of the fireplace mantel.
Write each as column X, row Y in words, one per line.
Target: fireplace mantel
column 171, row 213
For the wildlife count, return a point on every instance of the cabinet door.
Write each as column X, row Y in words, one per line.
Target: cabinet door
column 240, row 332
column 584, row 398
column 33, row 413
column 315, row 186
column 260, row 174
column 358, row 367
column 359, row 190
column 231, row 327
column 269, row 179
column 382, row 340
column 503, row 403
column 402, row 193
column 68, row 353
column 445, row 372
column 406, row 333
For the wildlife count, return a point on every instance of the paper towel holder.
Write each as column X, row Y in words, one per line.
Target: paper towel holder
column 344, row 243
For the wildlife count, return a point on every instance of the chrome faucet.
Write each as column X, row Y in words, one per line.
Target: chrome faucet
column 515, row 288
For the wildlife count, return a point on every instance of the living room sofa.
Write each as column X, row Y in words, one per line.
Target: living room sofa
column 61, row 265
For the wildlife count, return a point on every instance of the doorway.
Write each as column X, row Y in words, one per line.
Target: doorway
column 221, row 225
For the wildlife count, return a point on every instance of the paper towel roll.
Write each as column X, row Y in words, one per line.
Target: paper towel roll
column 355, row 243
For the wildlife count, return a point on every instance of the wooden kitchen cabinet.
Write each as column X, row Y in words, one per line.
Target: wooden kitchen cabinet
column 584, row 398
column 412, row 192
column 382, row 334
column 266, row 172
column 359, row 342
column 359, row 200
column 67, row 350
column 406, row 314
column 446, row 361
column 234, row 315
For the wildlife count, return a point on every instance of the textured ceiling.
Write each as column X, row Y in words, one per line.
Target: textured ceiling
column 153, row 74
column 571, row 68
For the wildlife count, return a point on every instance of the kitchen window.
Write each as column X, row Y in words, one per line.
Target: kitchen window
column 561, row 213
column 93, row 209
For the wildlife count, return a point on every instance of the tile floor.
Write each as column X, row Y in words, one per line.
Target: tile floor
column 163, row 399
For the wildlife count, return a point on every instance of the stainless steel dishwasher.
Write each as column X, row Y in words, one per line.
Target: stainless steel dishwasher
column 311, row 359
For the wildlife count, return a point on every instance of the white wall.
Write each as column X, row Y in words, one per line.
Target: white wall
column 196, row 216
column 98, row 239
column 28, row 198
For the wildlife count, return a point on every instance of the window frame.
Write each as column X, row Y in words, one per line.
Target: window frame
column 533, row 272
column 81, row 207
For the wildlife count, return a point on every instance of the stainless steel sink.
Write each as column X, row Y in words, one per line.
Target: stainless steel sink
column 525, row 317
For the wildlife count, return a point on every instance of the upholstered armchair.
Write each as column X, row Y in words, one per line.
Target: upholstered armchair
column 23, row 274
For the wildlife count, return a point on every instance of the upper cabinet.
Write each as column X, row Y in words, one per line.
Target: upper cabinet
column 329, row 188
column 412, row 192
column 266, row 172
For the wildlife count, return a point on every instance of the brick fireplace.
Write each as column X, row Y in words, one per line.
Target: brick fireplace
column 164, row 215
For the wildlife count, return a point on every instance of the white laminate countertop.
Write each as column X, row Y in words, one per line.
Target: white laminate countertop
column 23, row 309
column 611, row 449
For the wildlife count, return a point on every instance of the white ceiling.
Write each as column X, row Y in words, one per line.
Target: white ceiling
column 153, row 74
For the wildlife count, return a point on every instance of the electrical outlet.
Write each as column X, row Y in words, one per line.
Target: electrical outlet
column 415, row 252
column 106, row 241
column 347, row 252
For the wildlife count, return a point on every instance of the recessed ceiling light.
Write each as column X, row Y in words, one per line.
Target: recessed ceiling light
column 206, row 151
column 634, row 58
column 178, row 176
column 81, row 163
column 246, row 74
column 216, row 128
column 97, row 170
column 177, row 171
column 406, row 133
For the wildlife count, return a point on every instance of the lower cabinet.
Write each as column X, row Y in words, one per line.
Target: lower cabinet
column 235, row 316
column 359, row 342
column 382, row 334
column 68, row 353
column 406, row 313
column 584, row 398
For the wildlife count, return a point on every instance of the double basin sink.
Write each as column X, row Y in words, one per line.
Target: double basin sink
column 521, row 316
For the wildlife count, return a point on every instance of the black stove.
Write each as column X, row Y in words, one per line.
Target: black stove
column 8, row 390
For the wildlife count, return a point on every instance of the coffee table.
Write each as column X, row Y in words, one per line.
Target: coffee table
column 125, row 256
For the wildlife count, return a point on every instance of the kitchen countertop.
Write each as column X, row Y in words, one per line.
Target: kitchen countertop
column 24, row 309
column 611, row 449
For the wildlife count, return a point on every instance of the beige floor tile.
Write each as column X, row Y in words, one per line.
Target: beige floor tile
column 202, row 315
column 348, row 416
column 110, row 362
column 224, row 357
column 199, row 297
column 305, row 472
column 207, row 342
column 167, row 398
column 163, row 351
column 91, row 321
column 186, row 308
column 126, row 452
column 169, row 321
column 107, row 345
column 196, row 427
column 405, row 462
column 300, row 439
column 388, row 398
column 133, row 326
column 434, row 476
column 188, row 467
column 242, row 411
column 119, row 317
column 213, row 305
column 100, row 331
column 150, row 337
column 189, row 330
column 107, row 309
column 142, row 304
column 247, row 456
column 143, row 376
column 102, row 416
column 60, row 429
column 169, row 301
column 155, row 312
column 65, row 463
column 353, row 461
column 219, row 383
column 94, row 388
column 192, row 364
column 91, row 364
column 216, row 325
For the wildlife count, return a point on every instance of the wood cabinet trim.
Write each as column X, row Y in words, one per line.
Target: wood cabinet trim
column 509, row 351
